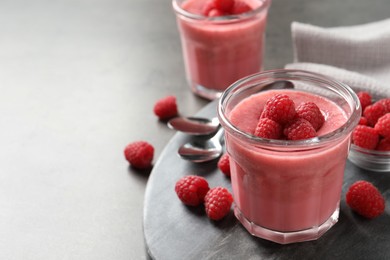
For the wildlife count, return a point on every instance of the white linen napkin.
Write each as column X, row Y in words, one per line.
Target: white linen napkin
column 357, row 55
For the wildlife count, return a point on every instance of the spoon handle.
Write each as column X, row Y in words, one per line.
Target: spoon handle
column 218, row 137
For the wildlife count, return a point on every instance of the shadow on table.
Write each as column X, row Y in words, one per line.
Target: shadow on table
column 140, row 175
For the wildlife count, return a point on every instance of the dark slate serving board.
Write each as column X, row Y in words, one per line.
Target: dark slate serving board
column 175, row 231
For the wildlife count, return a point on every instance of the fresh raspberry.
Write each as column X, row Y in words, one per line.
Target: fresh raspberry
column 139, row 154
column 268, row 128
column 386, row 103
column 364, row 198
column 299, row 129
column 192, row 189
column 218, row 201
column 207, row 7
column 215, row 13
column 365, row 99
column 311, row 112
column 279, row 108
column 382, row 127
column 384, row 145
column 224, row 6
column 365, row 137
column 374, row 112
column 363, row 121
column 224, row 164
column 240, row 7
column 166, row 108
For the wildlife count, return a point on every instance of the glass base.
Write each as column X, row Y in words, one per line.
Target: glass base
column 204, row 92
column 287, row 237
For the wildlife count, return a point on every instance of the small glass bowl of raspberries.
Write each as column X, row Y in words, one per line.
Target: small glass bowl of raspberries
column 370, row 148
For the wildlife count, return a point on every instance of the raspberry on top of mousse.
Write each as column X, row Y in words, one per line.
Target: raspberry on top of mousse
column 280, row 119
column 213, row 8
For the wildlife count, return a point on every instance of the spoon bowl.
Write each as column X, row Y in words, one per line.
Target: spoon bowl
column 203, row 150
column 196, row 126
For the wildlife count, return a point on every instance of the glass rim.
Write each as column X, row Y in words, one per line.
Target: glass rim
column 311, row 143
column 221, row 19
column 368, row 152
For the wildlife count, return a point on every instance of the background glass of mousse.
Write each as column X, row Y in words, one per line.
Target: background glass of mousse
column 288, row 191
column 218, row 51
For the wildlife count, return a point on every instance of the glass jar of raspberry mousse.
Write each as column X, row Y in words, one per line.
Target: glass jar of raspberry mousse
column 287, row 191
column 221, row 47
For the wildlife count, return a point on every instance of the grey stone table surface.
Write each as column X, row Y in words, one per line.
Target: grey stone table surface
column 78, row 80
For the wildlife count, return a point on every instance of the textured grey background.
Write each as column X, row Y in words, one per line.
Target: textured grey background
column 78, row 80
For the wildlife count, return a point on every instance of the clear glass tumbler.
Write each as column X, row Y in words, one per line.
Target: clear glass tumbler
column 218, row 51
column 287, row 191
